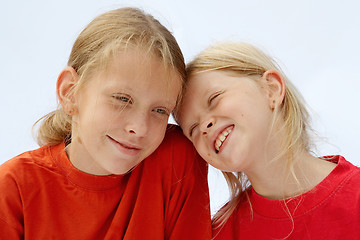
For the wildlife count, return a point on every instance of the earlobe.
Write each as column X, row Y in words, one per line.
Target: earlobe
column 276, row 87
column 65, row 85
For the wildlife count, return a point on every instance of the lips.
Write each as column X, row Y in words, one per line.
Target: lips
column 222, row 137
column 125, row 147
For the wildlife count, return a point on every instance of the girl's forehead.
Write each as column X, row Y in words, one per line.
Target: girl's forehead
column 206, row 80
column 136, row 61
column 132, row 68
column 213, row 76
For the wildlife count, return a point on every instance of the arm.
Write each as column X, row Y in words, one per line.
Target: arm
column 189, row 208
column 11, row 212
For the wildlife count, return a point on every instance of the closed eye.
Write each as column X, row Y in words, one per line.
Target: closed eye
column 212, row 97
column 192, row 128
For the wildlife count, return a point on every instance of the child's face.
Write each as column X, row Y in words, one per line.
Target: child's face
column 122, row 114
column 227, row 118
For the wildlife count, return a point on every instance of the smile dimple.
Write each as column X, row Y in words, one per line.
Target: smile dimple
column 222, row 137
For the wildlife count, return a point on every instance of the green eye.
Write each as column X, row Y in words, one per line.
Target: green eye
column 122, row 98
column 161, row 111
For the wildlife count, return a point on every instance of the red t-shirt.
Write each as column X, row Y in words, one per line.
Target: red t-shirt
column 329, row 211
column 42, row 196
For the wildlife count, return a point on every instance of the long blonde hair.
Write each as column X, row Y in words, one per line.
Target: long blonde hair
column 246, row 60
column 94, row 48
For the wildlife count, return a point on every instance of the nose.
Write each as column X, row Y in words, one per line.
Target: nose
column 206, row 125
column 137, row 123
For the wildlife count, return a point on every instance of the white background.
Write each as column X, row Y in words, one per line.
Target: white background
column 316, row 43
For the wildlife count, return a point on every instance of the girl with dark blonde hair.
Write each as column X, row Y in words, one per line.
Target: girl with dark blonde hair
column 103, row 170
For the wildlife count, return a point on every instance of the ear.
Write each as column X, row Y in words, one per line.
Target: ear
column 66, row 82
column 275, row 87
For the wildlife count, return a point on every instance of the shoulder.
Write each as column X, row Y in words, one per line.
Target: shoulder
column 176, row 142
column 21, row 160
column 177, row 154
column 345, row 179
column 224, row 228
column 175, row 136
column 227, row 220
column 26, row 165
column 350, row 171
column 343, row 167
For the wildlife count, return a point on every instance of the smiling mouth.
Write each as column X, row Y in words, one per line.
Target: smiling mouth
column 222, row 137
column 124, row 145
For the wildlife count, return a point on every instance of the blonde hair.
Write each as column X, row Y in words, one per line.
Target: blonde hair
column 244, row 59
column 106, row 35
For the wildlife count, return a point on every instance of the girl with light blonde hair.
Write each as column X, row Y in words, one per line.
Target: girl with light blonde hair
column 247, row 119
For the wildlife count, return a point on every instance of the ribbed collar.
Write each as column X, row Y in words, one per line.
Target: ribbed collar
column 82, row 179
column 304, row 203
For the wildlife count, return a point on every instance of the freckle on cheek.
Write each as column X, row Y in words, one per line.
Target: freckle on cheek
column 79, row 140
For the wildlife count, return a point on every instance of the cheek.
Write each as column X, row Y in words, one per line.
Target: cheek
column 111, row 116
column 227, row 107
column 202, row 148
column 157, row 130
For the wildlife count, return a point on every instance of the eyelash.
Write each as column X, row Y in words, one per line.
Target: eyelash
column 162, row 111
column 210, row 100
column 122, row 98
column 191, row 130
column 214, row 96
column 127, row 100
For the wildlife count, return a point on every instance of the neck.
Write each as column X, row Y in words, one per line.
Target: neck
column 277, row 179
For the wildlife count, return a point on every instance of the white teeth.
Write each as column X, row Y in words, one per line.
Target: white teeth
column 221, row 138
column 218, row 144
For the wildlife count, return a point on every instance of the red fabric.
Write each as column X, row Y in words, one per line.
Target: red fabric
column 329, row 211
column 165, row 197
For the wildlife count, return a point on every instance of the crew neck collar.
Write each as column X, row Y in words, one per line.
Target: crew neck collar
column 80, row 178
column 301, row 204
